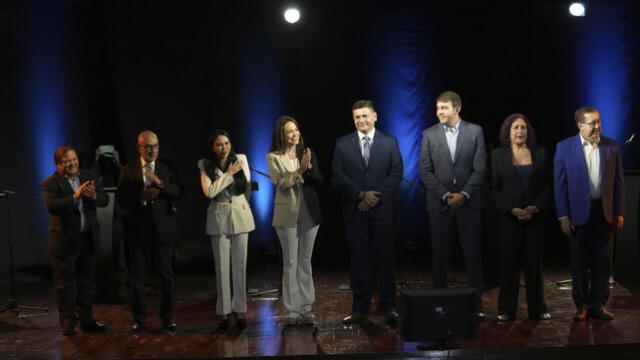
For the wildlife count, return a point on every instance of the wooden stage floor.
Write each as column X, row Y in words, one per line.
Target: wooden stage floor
column 198, row 337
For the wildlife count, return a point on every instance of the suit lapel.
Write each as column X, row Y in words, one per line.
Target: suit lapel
column 579, row 151
column 284, row 163
column 159, row 170
column 442, row 138
column 375, row 147
column 64, row 184
column 462, row 138
column 355, row 141
column 603, row 150
column 136, row 175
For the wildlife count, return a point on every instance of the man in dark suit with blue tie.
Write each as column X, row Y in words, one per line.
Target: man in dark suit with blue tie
column 367, row 168
column 453, row 168
column 589, row 196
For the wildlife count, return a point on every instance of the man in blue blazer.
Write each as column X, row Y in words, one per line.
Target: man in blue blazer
column 367, row 168
column 589, row 196
column 453, row 168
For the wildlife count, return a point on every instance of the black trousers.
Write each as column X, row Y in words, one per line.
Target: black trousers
column 145, row 250
column 371, row 246
column 521, row 249
column 591, row 246
column 468, row 223
column 74, row 279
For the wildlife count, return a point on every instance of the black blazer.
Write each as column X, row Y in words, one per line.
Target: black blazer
column 64, row 226
column 163, row 209
column 507, row 189
column 312, row 179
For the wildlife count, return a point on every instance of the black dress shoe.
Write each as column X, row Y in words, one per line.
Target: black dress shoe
column 601, row 314
column 138, row 326
column 241, row 320
column 391, row 315
column 480, row 316
column 581, row 315
column 93, row 327
column 170, row 326
column 354, row 318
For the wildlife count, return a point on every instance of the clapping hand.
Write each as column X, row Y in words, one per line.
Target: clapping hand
column 87, row 189
column 90, row 190
column 305, row 162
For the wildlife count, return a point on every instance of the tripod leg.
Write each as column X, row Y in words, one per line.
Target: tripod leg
column 27, row 307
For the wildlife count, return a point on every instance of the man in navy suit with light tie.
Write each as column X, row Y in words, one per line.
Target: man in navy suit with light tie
column 452, row 168
column 589, row 196
column 367, row 168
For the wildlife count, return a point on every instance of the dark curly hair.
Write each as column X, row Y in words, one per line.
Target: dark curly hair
column 211, row 162
column 505, row 130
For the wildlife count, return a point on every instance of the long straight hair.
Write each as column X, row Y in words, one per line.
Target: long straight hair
column 278, row 139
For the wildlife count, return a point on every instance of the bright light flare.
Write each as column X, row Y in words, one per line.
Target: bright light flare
column 292, row 15
column 577, row 9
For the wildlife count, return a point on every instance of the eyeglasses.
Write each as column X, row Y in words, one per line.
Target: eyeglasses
column 592, row 123
column 150, row 147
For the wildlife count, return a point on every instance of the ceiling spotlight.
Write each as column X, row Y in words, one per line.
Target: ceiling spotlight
column 292, row 15
column 577, row 9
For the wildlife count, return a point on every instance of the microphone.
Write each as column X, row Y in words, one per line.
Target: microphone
column 259, row 172
column 630, row 139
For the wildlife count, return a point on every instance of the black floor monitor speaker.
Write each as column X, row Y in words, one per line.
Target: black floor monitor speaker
column 440, row 315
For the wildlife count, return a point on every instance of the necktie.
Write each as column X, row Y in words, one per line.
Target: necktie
column 149, row 169
column 366, row 149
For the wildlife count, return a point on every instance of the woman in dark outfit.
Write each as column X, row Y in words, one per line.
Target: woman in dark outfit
column 521, row 189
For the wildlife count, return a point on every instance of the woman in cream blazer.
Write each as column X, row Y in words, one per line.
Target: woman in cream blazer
column 225, row 179
column 296, row 216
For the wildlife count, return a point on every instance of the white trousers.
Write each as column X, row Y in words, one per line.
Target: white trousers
column 298, row 293
column 230, row 255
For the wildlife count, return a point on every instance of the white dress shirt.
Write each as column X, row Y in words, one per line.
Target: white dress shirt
column 75, row 184
column 451, row 135
column 452, row 138
column 361, row 136
column 592, row 158
column 147, row 181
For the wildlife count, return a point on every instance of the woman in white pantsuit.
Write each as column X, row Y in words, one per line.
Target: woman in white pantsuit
column 225, row 179
column 296, row 216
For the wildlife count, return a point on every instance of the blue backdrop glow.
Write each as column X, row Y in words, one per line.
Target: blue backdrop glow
column 404, row 93
column 603, row 69
column 46, row 75
column 258, row 107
